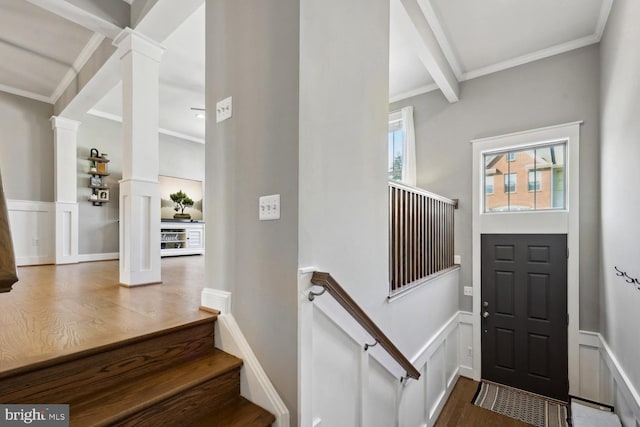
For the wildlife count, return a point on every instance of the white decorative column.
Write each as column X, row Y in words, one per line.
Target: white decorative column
column 65, row 132
column 139, row 187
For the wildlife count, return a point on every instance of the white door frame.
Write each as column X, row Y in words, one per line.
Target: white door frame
column 556, row 221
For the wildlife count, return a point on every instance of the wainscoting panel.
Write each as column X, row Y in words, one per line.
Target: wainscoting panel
column 602, row 379
column 33, row 231
column 381, row 397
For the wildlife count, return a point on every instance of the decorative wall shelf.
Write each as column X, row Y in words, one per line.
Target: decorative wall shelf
column 98, row 170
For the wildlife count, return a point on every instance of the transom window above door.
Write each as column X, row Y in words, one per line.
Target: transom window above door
column 534, row 179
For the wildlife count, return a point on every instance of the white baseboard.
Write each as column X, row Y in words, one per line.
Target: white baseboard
column 98, row 257
column 254, row 383
column 22, row 261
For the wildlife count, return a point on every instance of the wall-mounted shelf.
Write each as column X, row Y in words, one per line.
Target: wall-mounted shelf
column 98, row 170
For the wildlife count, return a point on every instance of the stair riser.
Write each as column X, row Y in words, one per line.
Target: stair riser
column 65, row 381
column 183, row 408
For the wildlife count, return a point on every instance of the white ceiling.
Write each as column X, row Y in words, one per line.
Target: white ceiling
column 39, row 51
column 482, row 37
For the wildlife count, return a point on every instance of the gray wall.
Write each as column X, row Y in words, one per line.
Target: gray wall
column 26, row 148
column 620, row 135
column 98, row 226
column 560, row 89
column 252, row 55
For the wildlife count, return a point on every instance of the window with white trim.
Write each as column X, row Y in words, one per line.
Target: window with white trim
column 395, row 147
column 542, row 167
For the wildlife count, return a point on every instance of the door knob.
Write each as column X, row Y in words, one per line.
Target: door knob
column 485, row 304
column 485, row 314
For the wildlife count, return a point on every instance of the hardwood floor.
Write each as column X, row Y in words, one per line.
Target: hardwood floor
column 57, row 310
column 460, row 412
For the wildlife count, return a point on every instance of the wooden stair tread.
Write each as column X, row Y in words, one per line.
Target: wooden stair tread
column 240, row 413
column 137, row 394
column 64, row 379
column 47, row 363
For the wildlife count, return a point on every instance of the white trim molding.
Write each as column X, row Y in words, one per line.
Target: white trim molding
column 603, row 380
column 561, row 221
column 116, row 118
column 254, row 382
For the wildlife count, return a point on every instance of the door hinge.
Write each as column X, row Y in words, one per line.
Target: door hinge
column 567, row 252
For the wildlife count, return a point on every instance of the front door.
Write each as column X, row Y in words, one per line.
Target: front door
column 524, row 310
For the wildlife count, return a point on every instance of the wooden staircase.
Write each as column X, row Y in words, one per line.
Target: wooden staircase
column 171, row 377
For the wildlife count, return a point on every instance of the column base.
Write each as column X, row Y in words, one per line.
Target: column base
column 139, row 232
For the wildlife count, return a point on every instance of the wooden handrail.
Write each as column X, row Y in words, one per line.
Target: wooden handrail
column 342, row 297
column 8, row 274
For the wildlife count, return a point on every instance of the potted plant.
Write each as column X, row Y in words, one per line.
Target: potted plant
column 182, row 201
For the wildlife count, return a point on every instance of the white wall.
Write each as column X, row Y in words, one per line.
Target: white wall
column 620, row 151
column 559, row 89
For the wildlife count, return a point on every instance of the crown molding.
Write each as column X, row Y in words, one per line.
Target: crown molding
column 530, row 57
column 116, row 118
column 414, row 92
column 605, row 9
column 25, row 93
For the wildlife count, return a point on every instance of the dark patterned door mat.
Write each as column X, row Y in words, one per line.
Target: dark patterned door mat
column 520, row 405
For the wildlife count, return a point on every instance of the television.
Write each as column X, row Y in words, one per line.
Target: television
column 170, row 210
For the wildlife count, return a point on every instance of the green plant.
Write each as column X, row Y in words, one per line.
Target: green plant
column 181, row 200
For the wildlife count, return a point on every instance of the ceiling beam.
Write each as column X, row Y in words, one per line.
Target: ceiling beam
column 158, row 19
column 106, row 17
column 103, row 70
column 430, row 53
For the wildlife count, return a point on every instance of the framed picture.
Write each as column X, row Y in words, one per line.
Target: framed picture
column 96, row 181
column 169, row 208
column 102, row 167
column 103, row 194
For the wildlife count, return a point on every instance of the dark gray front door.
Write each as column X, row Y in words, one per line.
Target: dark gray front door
column 524, row 308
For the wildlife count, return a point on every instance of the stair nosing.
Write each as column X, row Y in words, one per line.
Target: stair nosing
column 49, row 363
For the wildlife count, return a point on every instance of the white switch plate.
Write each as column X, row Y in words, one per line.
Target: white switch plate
column 269, row 207
column 456, row 259
column 223, row 110
column 468, row 291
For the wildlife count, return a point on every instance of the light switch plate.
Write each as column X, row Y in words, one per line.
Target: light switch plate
column 269, row 207
column 223, row 109
column 468, row 291
column 456, row 259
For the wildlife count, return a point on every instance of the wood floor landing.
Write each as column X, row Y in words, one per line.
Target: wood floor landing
column 460, row 412
column 54, row 311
